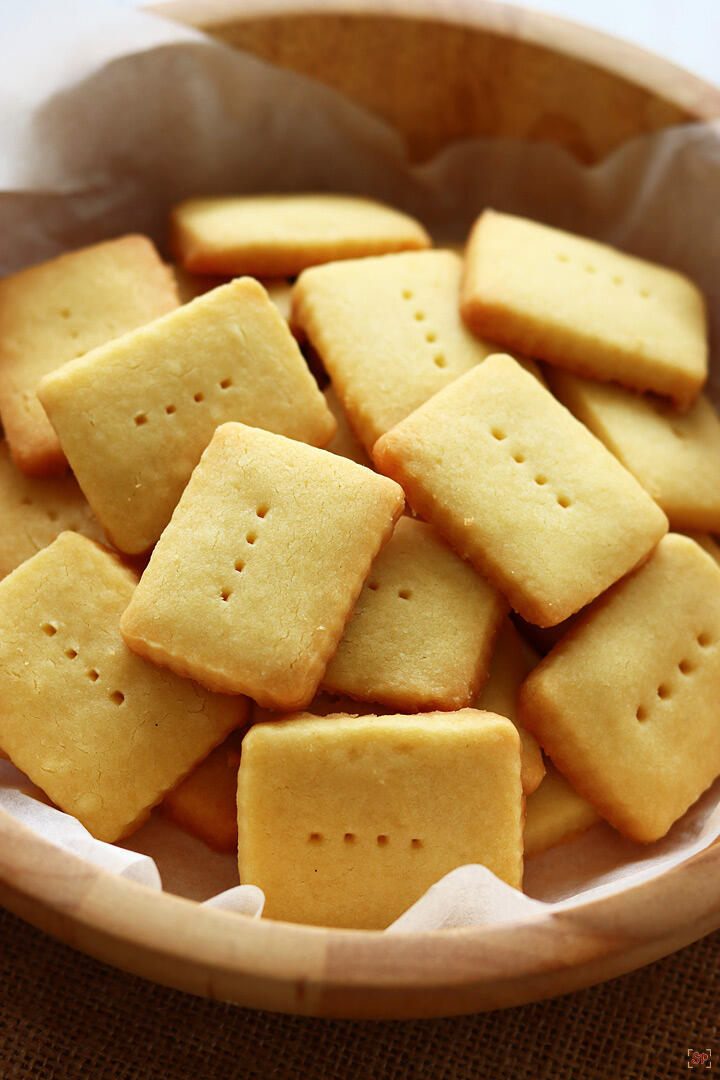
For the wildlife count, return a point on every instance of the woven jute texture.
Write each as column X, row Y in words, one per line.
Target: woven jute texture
column 65, row 1017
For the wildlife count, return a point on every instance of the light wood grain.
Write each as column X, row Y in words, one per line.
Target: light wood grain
column 438, row 70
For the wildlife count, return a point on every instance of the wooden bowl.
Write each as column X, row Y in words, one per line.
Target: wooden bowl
column 437, row 71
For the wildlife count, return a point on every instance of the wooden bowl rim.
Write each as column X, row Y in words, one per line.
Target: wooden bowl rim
column 655, row 916
column 632, row 63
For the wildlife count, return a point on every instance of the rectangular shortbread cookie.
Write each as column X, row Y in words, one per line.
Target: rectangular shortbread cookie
column 205, row 803
column 280, row 235
column 33, row 512
column 251, row 584
column 584, row 306
column 388, row 331
column 522, row 490
column 104, row 733
column 343, row 441
column 423, row 629
column 675, row 456
column 54, row 312
column 347, row 821
column 134, row 416
column 626, row 705
column 554, row 814
column 512, row 660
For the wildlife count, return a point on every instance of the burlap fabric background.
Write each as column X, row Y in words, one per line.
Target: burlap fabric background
column 64, row 1017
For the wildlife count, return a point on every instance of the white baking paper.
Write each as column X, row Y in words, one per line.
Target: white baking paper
column 108, row 116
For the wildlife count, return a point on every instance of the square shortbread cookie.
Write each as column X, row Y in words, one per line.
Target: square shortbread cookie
column 346, row 821
column 423, row 629
column 134, row 416
column 675, row 456
column 280, row 235
column 54, row 312
column 388, row 331
column 343, row 441
column 33, row 512
column 522, row 489
column 584, row 306
column 554, row 814
column 626, row 705
column 104, row 733
column 205, row 803
column 512, row 660
column 266, row 552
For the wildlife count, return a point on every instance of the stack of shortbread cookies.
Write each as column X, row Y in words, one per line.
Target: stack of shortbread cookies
column 285, row 522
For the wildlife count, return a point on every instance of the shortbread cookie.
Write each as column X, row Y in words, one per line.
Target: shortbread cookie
column 343, row 441
column 323, row 704
column 61, row 309
column 104, row 733
column 423, row 629
column 205, row 803
column 626, row 705
column 512, row 661
column 584, row 306
column 280, row 235
column 675, row 456
column 34, row 512
column 554, row 814
column 388, row 331
column 707, row 542
column 252, row 582
column 522, row 490
column 347, row 821
column 134, row 416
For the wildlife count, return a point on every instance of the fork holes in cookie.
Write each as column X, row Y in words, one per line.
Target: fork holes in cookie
column 563, row 501
column 251, row 538
column 419, row 316
column 641, row 713
column 170, row 409
column 373, row 586
column 645, row 293
column 590, row 269
column 315, row 837
column 518, row 457
column 93, row 674
column 198, row 397
column 225, row 595
column 262, row 511
column 663, row 692
column 430, row 337
column 52, row 515
column 563, row 258
column 349, row 838
column 117, row 697
column 617, row 280
column 225, row 384
column 440, row 360
column 540, row 480
column 239, row 565
column 404, row 594
column 49, row 629
column 703, row 640
column 498, row 433
column 382, row 840
column 71, row 653
column 65, row 313
column 415, row 843
column 686, row 667
column 141, row 419
column 407, row 294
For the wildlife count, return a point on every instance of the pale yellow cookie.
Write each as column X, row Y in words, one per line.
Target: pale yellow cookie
column 675, row 456
column 554, row 814
column 626, row 705
column 280, row 235
column 423, row 629
column 347, row 821
column 707, row 542
column 251, row 584
column 134, row 416
column 51, row 313
column 104, row 733
column 205, row 803
column 522, row 490
column 33, row 512
column 585, row 306
column 388, row 331
column 512, row 660
column 343, row 441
